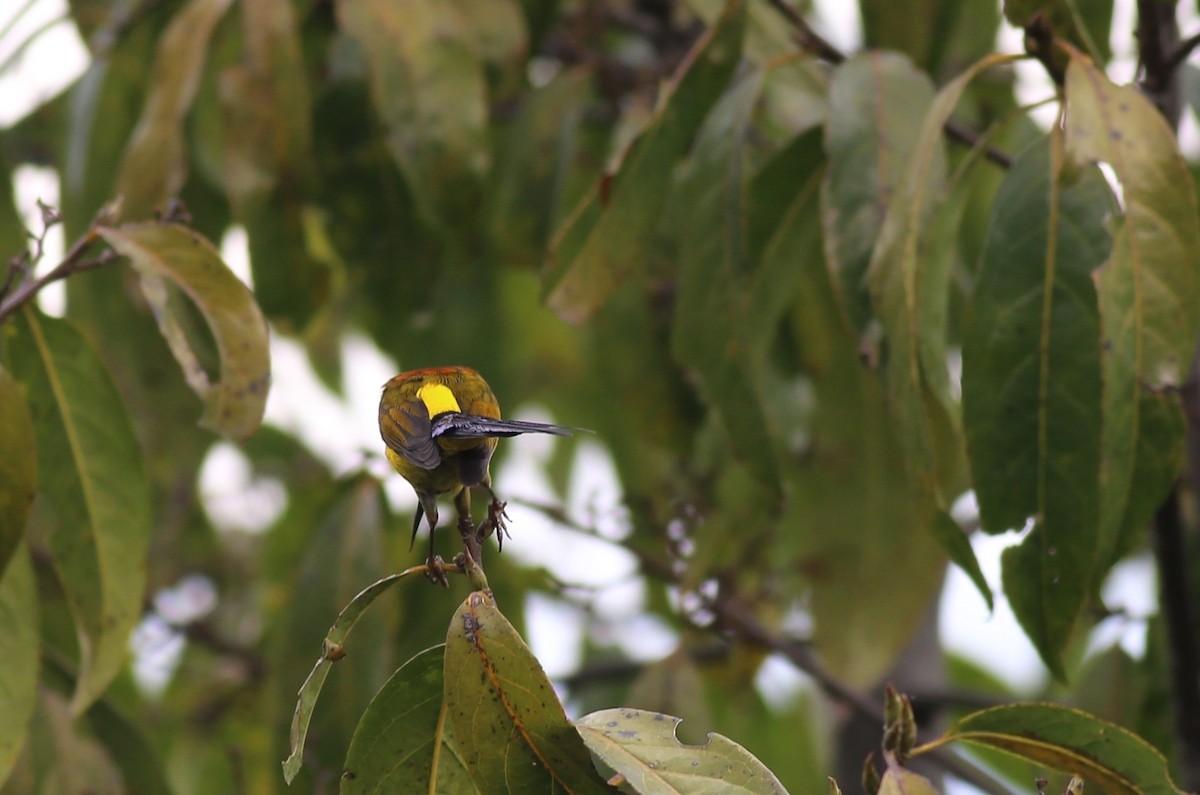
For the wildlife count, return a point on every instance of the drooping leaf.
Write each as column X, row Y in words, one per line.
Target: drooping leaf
column 876, row 103
column 18, row 466
column 909, row 277
column 402, row 743
column 1031, row 386
column 234, row 404
column 428, row 86
column 1072, row 741
column 957, row 546
column 350, row 536
column 1149, row 293
column 19, row 648
column 602, row 243
column 267, row 159
column 853, row 476
column 715, row 277
column 643, row 748
column 154, row 167
column 96, row 490
column 508, row 724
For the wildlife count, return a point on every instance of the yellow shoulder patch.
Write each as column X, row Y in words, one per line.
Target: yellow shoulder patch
column 438, row 399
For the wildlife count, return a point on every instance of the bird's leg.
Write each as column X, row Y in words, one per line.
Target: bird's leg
column 435, row 567
column 466, row 525
column 496, row 521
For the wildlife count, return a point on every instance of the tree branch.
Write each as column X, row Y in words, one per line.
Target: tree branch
column 1175, row 601
column 73, row 262
column 812, row 42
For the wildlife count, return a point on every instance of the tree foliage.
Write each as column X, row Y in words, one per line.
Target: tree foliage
column 808, row 301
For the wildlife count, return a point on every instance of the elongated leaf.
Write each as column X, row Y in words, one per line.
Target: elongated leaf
column 96, row 490
column 266, row 123
column 508, row 724
column 402, row 743
column 957, row 546
column 602, row 243
column 166, row 252
column 715, row 276
column 1149, row 293
column 853, row 476
column 427, row 84
column 19, row 648
column 155, row 164
column 1072, row 741
column 643, row 748
column 910, row 288
column 876, row 103
column 311, row 689
column 1031, row 386
column 18, row 467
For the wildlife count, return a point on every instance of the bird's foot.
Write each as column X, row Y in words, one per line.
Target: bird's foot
column 435, row 570
column 496, row 522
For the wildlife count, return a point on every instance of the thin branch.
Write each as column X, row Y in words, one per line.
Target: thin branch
column 1175, row 601
column 812, row 42
column 743, row 624
column 73, row 262
column 1181, row 52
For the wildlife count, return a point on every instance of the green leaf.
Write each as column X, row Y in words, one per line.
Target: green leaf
column 267, row 163
column 876, row 103
column 159, row 252
column 19, row 647
column 402, row 743
column 332, row 651
column 954, row 542
column 1031, row 387
column 1149, row 294
column 96, row 490
column 101, row 114
column 154, row 167
column 715, row 276
column 508, row 724
column 603, row 242
column 1071, row 741
column 643, row 748
column 853, row 476
column 18, row 466
column 909, row 277
column 427, row 84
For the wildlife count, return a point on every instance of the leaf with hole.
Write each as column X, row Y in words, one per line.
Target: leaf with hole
column 169, row 253
column 642, row 747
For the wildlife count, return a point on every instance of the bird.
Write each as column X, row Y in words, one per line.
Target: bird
column 440, row 426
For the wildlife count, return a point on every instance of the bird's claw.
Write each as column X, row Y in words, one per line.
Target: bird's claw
column 435, row 570
column 496, row 522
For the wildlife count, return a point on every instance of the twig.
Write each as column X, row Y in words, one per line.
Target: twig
column 1181, row 52
column 73, row 262
column 813, row 42
column 1175, row 600
column 1158, row 43
column 810, row 40
column 740, row 622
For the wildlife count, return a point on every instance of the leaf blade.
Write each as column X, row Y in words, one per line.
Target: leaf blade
column 234, row 405
column 98, row 492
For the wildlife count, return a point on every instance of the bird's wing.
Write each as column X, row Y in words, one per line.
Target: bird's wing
column 453, row 425
column 408, row 430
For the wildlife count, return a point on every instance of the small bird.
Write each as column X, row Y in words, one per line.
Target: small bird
column 441, row 425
